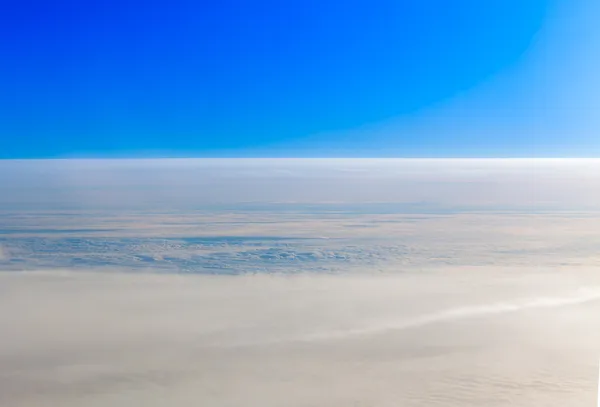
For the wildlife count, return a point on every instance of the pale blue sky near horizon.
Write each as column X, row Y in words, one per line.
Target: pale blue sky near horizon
column 311, row 79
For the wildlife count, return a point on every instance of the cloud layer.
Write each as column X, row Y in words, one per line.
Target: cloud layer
column 194, row 183
column 445, row 338
column 263, row 283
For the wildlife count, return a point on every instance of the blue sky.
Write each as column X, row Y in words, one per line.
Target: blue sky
column 306, row 78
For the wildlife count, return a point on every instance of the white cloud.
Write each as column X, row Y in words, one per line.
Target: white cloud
column 169, row 184
column 447, row 337
column 453, row 283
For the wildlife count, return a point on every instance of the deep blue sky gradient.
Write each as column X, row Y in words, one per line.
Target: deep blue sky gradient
column 244, row 78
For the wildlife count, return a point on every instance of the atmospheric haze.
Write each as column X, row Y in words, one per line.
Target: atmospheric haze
column 266, row 283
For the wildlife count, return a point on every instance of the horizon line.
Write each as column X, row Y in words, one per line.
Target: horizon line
column 293, row 158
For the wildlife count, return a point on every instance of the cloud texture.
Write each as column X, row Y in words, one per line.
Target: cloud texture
column 263, row 283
